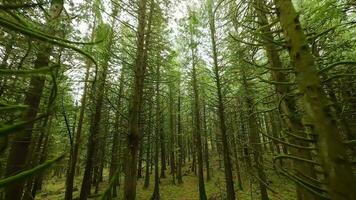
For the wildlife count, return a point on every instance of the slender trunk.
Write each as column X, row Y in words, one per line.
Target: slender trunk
column 98, row 94
column 156, row 194
column 255, row 140
column 77, row 141
column 101, row 155
column 180, row 145
column 37, row 185
column 116, row 136
column 173, row 134
column 93, row 136
column 140, row 158
column 197, row 129
column 206, row 147
column 163, row 154
column 221, row 109
column 236, row 154
column 148, row 148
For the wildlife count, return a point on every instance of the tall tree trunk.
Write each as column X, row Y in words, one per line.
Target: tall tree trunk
column 156, row 194
column 172, row 119
column 180, row 145
column 116, row 135
column 197, row 133
column 235, row 152
column 197, row 121
column 206, row 147
column 339, row 175
column 163, row 153
column 101, row 154
column 98, row 93
column 77, row 140
column 288, row 104
column 148, row 147
column 221, row 109
column 255, row 140
column 93, row 136
column 133, row 137
column 37, row 184
column 19, row 148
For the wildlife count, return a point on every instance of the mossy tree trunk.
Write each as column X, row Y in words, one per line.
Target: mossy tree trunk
column 287, row 103
column 340, row 180
column 19, row 147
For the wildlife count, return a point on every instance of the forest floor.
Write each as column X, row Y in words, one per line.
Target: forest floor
column 54, row 188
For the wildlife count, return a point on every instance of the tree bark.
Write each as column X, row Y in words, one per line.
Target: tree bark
column 156, row 194
column 180, row 145
column 98, row 93
column 172, row 119
column 255, row 140
column 221, row 109
column 133, row 136
column 339, row 175
column 19, row 148
column 77, row 141
column 197, row 115
column 288, row 104
column 148, row 147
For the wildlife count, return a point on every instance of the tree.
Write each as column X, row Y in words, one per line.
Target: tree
column 133, row 137
column 221, row 108
column 331, row 149
column 19, row 148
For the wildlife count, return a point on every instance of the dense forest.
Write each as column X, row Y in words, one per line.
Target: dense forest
column 170, row 99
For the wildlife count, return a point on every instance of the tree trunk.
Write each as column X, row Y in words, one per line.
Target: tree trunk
column 19, row 148
column 148, row 147
column 288, row 104
column 133, row 136
column 221, row 109
column 37, row 184
column 116, row 135
column 197, row 129
column 180, row 145
column 156, row 194
column 98, row 93
column 339, row 175
column 206, row 147
column 255, row 140
column 77, row 141
column 173, row 133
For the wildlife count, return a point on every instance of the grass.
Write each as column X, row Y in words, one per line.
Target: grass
column 54, row 188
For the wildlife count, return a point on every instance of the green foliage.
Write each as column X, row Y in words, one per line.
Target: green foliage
column 42, row 70
column 40, row 36
column 31, row 172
